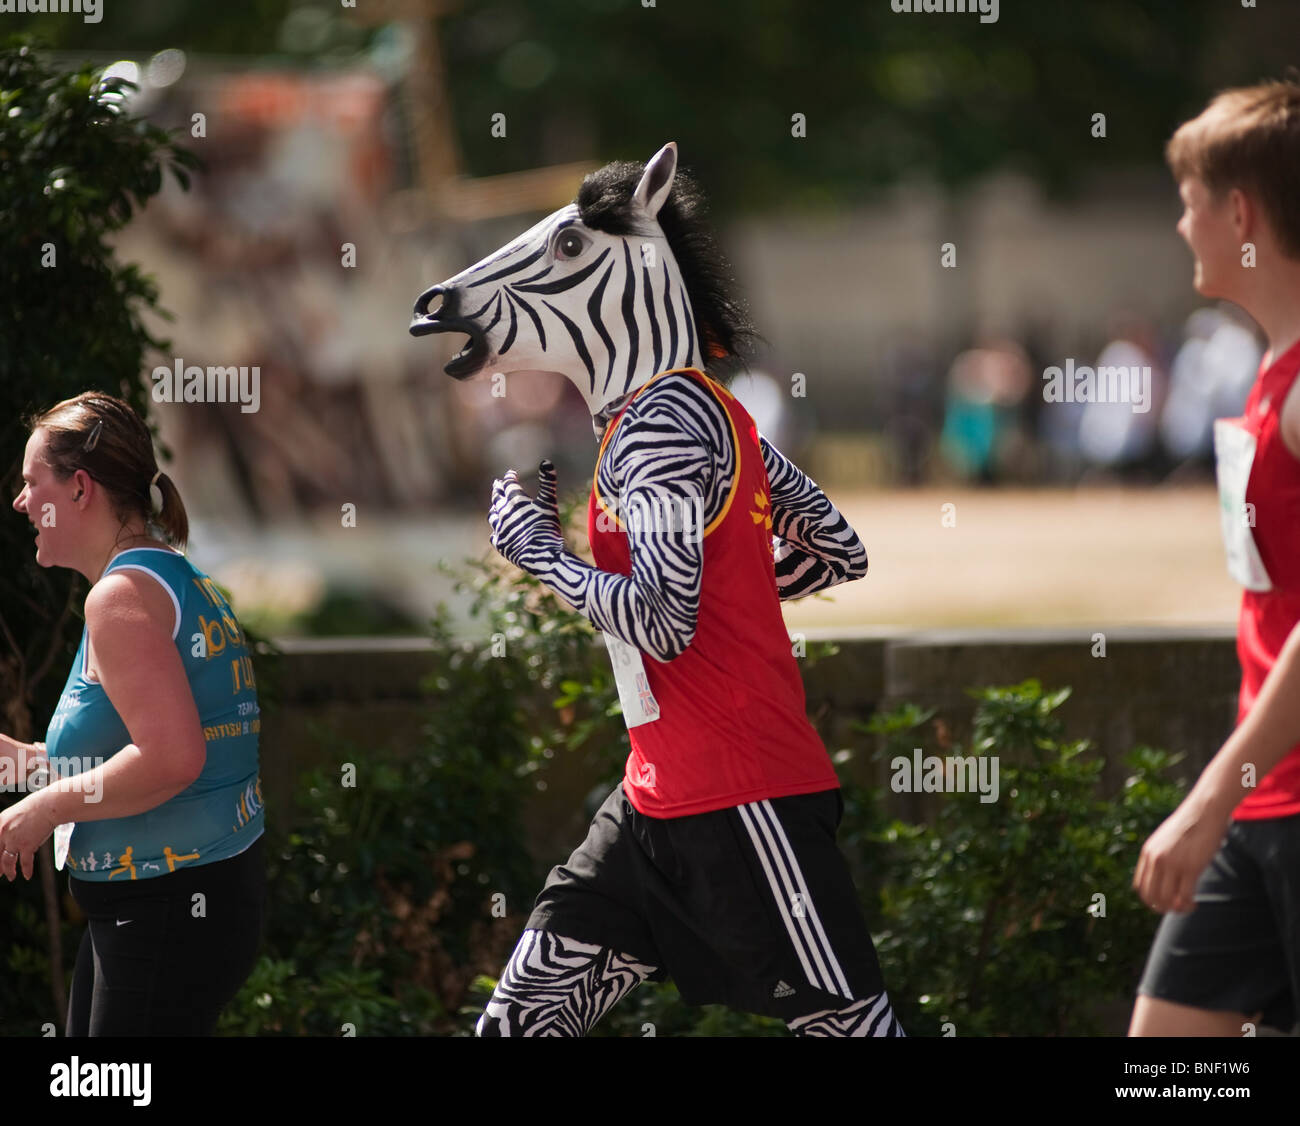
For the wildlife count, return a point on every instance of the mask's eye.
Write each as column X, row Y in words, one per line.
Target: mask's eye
column 569, row 244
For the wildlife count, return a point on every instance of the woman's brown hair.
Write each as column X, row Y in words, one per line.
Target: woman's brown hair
column 103, row 436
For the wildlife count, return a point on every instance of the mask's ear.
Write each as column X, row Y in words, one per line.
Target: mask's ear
column 657, row 180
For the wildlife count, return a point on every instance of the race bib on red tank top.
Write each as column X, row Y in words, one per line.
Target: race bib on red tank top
column 1234, row 457
column 638, row 702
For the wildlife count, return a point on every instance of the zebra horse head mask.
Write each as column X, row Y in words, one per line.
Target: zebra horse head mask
column 598, row 290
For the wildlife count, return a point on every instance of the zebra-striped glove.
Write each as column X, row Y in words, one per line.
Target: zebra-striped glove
column 527, row 531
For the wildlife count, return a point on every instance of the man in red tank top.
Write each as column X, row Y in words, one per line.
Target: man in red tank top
column 1225, row 866
column 714, row 861
column 738, row 730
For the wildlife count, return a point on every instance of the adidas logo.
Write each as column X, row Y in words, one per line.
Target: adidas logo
column 782, row 990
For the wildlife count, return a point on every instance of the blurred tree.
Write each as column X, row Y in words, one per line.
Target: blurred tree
column 74, row 167
column 885, row 94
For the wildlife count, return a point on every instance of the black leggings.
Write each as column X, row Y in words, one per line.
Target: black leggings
column 157, row 961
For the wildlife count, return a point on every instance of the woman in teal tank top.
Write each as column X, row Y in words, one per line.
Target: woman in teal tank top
column 150, row 765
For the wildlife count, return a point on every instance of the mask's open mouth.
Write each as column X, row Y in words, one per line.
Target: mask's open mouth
column 470, row 358
column 444, row 319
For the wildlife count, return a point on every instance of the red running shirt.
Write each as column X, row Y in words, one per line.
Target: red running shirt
column 1268, row 616
column 733, row 724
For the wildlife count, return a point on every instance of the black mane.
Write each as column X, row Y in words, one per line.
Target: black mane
column 720, row 315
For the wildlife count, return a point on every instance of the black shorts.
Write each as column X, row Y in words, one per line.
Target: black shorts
column 751, row 907
column 152, row 964
column 1239, row 951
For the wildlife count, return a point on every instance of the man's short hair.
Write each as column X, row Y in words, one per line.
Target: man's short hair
column 1249, row 138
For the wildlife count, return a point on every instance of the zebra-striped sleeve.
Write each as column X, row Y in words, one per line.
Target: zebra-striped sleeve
column 818, row 548
column 664, row 470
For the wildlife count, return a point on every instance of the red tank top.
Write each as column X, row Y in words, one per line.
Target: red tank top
column 733, row 724
column 1268, row 616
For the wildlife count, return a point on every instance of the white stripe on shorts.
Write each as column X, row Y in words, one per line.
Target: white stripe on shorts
column 784, row 876
column 812, row 909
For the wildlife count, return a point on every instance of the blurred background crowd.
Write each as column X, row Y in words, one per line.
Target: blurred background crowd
column 924, row 214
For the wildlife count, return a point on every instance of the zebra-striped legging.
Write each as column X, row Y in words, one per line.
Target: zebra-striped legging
column 557, row 986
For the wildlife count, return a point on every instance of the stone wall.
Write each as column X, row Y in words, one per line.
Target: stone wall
column 1173, row 688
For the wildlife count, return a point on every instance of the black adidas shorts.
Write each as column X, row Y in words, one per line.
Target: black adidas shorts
column 1239, row 951
column 751, row 907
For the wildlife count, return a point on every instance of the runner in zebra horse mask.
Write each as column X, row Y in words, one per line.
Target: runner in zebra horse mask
column 714, row 862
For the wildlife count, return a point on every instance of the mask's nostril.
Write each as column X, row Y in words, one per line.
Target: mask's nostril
column 443, row 318
column 437, row 293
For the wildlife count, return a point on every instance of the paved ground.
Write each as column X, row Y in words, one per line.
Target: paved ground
column 1019, row 557
column 1033, row 557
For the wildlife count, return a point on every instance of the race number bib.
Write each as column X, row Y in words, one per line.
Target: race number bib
column 62, row 838
column 1234, row 454
column 639, row 704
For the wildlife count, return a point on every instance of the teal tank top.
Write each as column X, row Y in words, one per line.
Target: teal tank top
column 219, row 814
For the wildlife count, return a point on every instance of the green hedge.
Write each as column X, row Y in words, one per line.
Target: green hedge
column 397, row 900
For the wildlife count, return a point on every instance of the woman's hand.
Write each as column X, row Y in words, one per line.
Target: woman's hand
column 22, row 754
column 1176, row 854
column 24, row 827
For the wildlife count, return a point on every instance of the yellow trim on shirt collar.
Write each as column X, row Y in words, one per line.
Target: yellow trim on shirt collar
column 715, row 387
